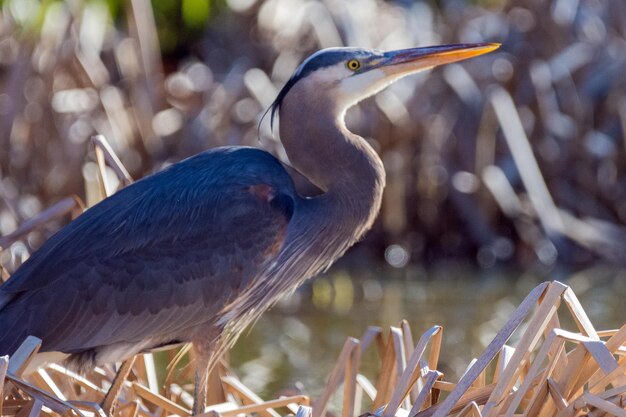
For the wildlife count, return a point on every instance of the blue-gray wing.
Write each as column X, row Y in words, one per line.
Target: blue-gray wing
column 159, row 257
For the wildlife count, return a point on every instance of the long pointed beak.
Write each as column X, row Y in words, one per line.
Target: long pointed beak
column 406, row 61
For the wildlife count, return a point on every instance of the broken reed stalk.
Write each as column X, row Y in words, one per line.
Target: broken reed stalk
column 104, row 152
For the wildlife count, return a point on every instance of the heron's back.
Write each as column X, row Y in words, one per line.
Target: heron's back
column 154, row 261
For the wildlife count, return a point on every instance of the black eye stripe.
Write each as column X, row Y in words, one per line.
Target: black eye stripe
column 322, row 59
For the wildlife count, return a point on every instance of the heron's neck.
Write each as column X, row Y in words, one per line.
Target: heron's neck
column 341, row 163
column 352, row 177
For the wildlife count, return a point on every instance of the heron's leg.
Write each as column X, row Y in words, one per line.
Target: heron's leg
column 110, row 399
column 205, row 362
column 201, row 383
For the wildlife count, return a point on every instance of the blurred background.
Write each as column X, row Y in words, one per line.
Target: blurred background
column 502, row 171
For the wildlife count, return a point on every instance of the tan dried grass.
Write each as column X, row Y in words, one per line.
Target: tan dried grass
column 549, row 371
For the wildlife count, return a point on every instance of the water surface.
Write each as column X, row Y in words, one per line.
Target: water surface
column 297, row 342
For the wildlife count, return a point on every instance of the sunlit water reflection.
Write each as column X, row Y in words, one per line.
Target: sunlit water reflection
column 297, row 343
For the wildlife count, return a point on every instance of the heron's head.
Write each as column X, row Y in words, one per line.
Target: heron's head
column 349, row 75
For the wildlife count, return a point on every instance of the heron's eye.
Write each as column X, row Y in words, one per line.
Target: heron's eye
column 353, row 65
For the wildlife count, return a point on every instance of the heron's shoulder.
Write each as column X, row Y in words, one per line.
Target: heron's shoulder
column 231, row 165
column 236, row 156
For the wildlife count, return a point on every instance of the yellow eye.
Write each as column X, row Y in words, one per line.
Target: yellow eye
column 353, row 65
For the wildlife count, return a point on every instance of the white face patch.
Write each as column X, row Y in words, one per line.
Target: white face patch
column 361, row 86
column 349, row 88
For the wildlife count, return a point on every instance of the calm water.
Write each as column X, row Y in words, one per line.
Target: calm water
column 297, row 343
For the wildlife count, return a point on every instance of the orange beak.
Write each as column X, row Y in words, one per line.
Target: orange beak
column 414, row 59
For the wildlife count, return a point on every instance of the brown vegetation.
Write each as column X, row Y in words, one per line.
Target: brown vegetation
column 514, row 156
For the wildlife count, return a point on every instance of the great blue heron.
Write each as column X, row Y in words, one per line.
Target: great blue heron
column 197, row 252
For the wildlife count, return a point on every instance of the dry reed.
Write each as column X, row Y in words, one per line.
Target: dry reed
column 461, row 179
column 532, row 367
